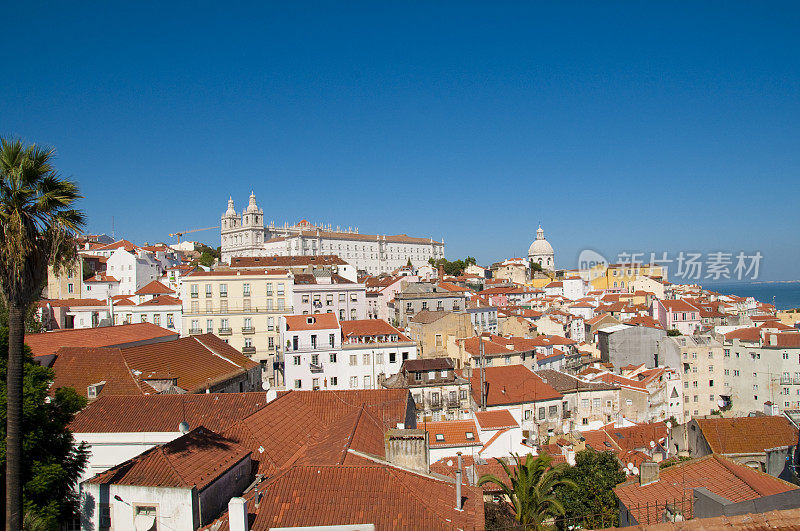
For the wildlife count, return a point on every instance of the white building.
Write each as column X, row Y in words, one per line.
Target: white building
column 375, row 254
column 133, row 269
column 321, row 353
column 326, row 292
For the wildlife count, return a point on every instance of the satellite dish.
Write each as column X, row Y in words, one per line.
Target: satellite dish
column 265, row 386
column 630, row 466
column 652, row 444
column 183, row 427
column 449, row 462
column 635, row 471
column 669, row 424
column 721, row 403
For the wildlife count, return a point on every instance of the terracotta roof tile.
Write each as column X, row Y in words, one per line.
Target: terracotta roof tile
column 79, row 367
column 370, row 327
column 718, row 474
column 512, row 384
column 154, row 288
column 195, row 459
column 108, row 336
column 448, row 433
column 163, row 413
column 493, row 420
column 744, row 435
column 320, row 321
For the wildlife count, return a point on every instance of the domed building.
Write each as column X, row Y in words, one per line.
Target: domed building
column 541, row 252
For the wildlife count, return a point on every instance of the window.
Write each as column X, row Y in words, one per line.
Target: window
column 208, row 290
column 367, row 382
column 313, row 340
column 246, row 305
column 541, row 413
column 295, row 342
column 223, row 305
column 296, row 360
column 223, row 290
column 305, row 299
column 315, row 359
column 209, row 326
column 145, row 510
column 736, row 373
column 248, row 323
column 271, row 343
column 470, row 436
column 353, row 382
column 269, row 289
column 552, row 411
column 379, row 358
column 193, row 289
column 157, row 319
column 527, row 414
column 353, row 360
column 711, row 383
column 332, row 357
column 195, row 325
column 270, row 324
column 280, row 289
column 341, row 314
column 585, row 403
column 629, row 402
column 439, row 437
column 170, row 320
column 280, row 304
column 334, row 381
column 298, row 384
column 392, row 357
column 341, row 297
column 70, row 288
column 405, row 356
column 315, row 384
column 353, row 314
column 208, row 306
column 596, row 403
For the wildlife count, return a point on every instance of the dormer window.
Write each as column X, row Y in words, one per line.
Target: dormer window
column 93, row 390
column 470, row 436
column 439, row 437
column 310, row 320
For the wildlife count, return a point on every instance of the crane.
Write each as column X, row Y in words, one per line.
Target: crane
column 179, row 234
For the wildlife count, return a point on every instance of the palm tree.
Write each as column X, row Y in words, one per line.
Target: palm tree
column 530, row 489
column 37, row 225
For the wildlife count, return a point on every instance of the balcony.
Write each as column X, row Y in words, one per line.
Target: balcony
column 453, row 404
column 248, row 330
column 223, row 294
column 224, row 331
column 315, row 368
column 195, row 331
column 248, row 350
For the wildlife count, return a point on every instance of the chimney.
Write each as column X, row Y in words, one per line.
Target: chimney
column 237, row 514
column 648, row 473
column 458, row 484
column 408, row 448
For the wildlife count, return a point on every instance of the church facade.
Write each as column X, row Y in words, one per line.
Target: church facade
column 248, row 235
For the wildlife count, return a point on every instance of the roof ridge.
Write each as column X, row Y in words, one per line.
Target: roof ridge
column 135, row 378
column 171, row 466
column 421, row 499
column 728, row 464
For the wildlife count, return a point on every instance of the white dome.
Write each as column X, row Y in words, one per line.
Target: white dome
column 540, row 247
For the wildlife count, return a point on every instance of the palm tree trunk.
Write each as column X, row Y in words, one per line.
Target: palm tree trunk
column 16, row 342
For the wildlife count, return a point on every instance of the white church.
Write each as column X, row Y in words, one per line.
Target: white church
column 541, row 252
column 247, row 235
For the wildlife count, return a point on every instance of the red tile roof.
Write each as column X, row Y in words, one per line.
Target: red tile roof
column 196, row 362
column 79, row 367
column 320, row 321
column 389, row 497
column 370, row 327
column 154, row 288
column 163, row 413
column 751, row 335
column 494, row 420
column 678, row 305
column 718, row 474
column 512, row 384
column 449, row 433
column 286, row 425
column 192, row 460
column 162, row 300
column 744, row 435
column 108, row 336
column 69, row 303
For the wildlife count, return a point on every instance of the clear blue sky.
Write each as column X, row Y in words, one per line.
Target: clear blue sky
column 618, row 125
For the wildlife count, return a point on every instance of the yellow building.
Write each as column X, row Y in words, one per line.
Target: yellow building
column 621, row 276
column 66, row 284
column 243, row 307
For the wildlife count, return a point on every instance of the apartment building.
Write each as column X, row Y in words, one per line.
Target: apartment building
column 761, row 365
column 703, row 375
column 424, row 296
column 322, row 291
column 244, row 308
column 439, row 393
column 322, row 353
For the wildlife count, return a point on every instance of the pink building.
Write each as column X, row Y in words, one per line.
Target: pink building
column 677, row 314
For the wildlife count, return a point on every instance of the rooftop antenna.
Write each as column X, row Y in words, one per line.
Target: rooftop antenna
column 183, row 427
column 114, row 237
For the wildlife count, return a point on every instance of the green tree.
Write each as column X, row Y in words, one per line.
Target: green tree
column 52, row 463
column 536, row 267
column 206, row 259
column 531, row 488
column 672, row 332
column 33, row 324
column 590, row 501
column 38, row 223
